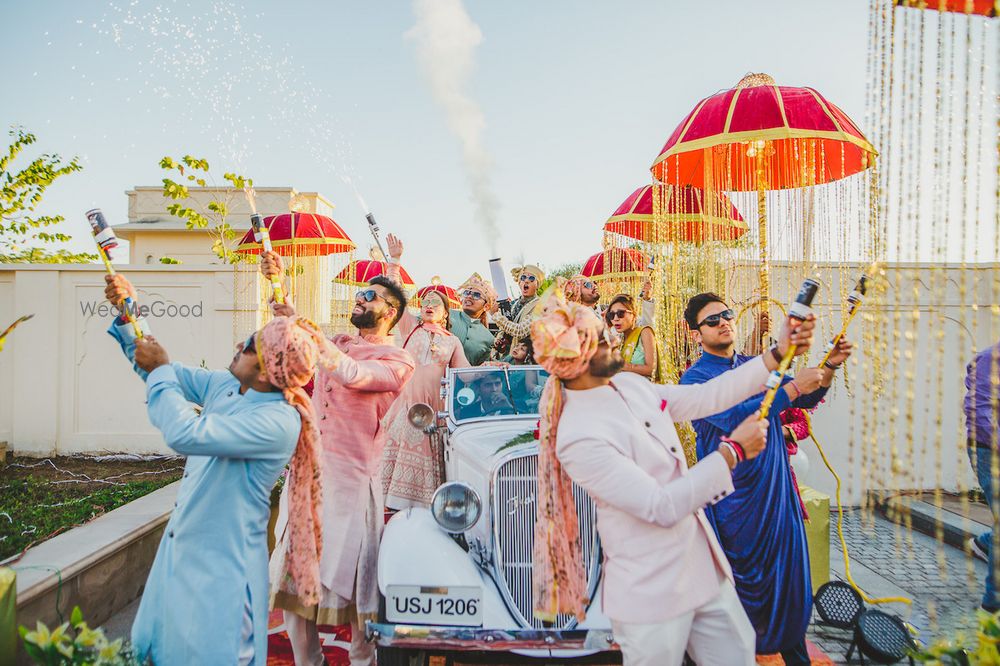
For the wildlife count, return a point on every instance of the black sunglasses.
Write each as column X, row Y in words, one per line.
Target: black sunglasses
column 713, row 320
column 616, row 314
column 368, row 295
column 526, row 276
column 475, row 295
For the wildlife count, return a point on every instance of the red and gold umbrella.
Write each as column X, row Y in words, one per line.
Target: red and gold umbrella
column 617, row 269
column 616, row 262
column 300, row 235
column 696, row 216
column 359, row 273
column 981, row 7
column 759, row 133
column 760, row 136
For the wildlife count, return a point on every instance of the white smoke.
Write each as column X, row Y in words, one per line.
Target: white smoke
column 446, row 38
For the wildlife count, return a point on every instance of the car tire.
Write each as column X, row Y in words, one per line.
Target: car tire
column 387, row 656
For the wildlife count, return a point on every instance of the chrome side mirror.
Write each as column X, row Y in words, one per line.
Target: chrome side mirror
column 421, row 416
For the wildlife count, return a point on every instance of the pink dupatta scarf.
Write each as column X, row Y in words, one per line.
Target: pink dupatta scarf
column 565, row 338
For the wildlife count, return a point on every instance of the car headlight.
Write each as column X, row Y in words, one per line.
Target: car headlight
column 456, row 506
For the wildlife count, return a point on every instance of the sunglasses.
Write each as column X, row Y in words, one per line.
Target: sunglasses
column 713, row 320
column 616, row 314
column 430, row 302
column 250, row 346
column 526, row 277
column 474, row 295
column 367, row 295
column 587, row 285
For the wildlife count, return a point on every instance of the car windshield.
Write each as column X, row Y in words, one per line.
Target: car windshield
column 483, row 392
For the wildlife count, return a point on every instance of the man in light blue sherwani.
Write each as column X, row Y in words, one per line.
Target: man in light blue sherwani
column 205, row 600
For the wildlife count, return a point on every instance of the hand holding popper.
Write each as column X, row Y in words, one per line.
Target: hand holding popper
column 105, row 238
column 262, row 234
column 853, row 305
column 801, row 309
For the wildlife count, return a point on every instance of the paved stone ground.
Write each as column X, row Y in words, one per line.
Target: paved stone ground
column 886, row 559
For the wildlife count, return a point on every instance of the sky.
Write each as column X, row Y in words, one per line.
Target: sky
column 570, row 104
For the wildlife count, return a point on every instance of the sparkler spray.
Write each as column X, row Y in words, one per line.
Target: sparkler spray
column 263, row 236
column 106, row 240
column 801, row 308
column 853, row 305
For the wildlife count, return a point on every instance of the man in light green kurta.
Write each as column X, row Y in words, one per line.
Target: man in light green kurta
column 469, row 323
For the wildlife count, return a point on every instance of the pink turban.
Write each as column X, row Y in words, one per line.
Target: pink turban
column 288, row 349
column 565, row 339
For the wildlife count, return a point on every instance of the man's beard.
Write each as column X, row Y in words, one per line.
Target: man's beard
column 607, row 368
column 590, row 301
column 367, row 319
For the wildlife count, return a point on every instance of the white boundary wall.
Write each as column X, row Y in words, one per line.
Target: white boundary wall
column 67, row 386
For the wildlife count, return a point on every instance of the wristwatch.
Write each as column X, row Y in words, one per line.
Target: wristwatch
column 775, row 354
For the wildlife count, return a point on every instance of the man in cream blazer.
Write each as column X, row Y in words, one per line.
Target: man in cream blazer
column 667, row 585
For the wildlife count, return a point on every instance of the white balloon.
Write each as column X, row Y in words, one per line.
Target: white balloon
column 800, row 463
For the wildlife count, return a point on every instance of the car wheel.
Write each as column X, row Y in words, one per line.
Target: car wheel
column 386, row 656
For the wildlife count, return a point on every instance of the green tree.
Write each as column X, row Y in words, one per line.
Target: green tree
column 195, row 171
column 23, row 233
column 564, row 271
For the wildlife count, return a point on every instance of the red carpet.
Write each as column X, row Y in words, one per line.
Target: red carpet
column 816, row 655
column 336, row 642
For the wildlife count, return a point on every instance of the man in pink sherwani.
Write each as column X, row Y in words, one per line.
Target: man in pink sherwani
column 350, row 399
column 667, row 584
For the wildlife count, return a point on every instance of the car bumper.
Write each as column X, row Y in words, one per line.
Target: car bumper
column 476, row 638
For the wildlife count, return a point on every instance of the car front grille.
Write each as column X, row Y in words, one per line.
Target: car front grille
column 514, row 488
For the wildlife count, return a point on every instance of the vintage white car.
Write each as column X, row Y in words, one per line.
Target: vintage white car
column 457, row 576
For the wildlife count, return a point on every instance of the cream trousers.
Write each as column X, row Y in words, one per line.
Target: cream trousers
column 716, row 634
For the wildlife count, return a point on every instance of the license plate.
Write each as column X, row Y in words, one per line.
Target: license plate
column 414, row 604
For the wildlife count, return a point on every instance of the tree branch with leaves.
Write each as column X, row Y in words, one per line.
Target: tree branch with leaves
column 213, row 215
column 24, row 233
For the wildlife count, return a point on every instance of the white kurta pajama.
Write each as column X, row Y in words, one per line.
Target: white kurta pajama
column 205, row 600
column 667, row 583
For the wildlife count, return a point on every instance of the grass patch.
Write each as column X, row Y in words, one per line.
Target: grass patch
column 38, row 502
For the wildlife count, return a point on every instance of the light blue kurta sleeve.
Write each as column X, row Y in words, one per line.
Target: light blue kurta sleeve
column 125, row 335
column 268, row 432
column 194, row 382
